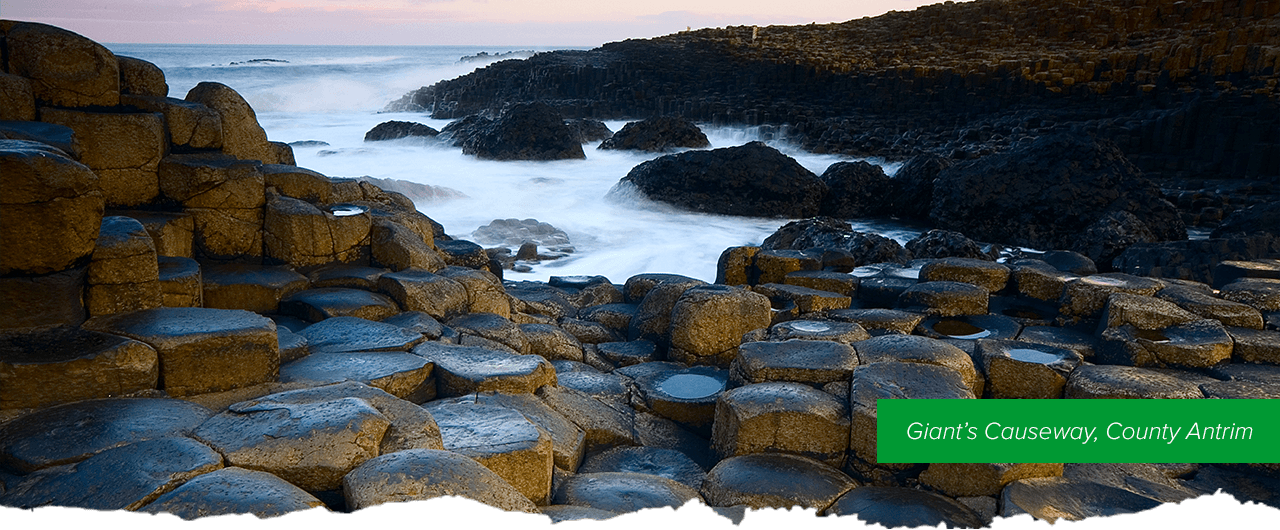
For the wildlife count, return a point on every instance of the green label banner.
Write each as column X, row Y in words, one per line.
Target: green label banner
column 1078, row 430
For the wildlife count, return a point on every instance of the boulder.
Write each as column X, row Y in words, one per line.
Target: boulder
column 1062, row 184
column 391, row 130
column 781, row 418
column 249, row 287
column 589, row 130
column 352, row 334
column 242, row 136
column 828, row 233
column 894, row 380
column 666, row 463
column 411, row 426
column 396, row 247
column 461, row 370
column 52, row 209
column 319, row 304
column 945, row 298
column 44, row 301
column 983, row 273
column 806, row 300
column 172, row 233
column 567, row 440
column 1018, row 370
column 1127, row 382
column 492, row 327
column 503, row 440
column 603, row 426
column 894, row 507
column 1110, row 236
column 659, row 134
column 1200, row 260
column 913, row 185
column 924, row 350
column 65, row 69
column 652, row 320
column 17, row 103
column 946, row 244
column 752, row 180
column 879, row 321
column 524, row 131
column 814, row 362
column 485, row 293
column 856, row 190
column 684, row 395
column 1263, row 217
column 141, row 78
column 53, row 135
column 840, row 283
column 967, row 480
column 403, row 375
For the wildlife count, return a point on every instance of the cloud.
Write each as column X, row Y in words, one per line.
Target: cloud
column 439, row 22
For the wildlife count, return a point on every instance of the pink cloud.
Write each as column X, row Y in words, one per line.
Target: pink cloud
column 491, row 22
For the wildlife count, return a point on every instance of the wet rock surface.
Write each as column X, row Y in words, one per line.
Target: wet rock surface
column 657, row 135
column 752, row 180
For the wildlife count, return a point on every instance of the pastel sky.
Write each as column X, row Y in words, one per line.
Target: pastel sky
column 483, row 22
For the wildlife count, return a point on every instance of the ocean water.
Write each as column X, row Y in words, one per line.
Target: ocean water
column 334, row 94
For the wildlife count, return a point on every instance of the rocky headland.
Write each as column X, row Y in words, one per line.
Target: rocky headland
column 1186, row 90
column 192, row 324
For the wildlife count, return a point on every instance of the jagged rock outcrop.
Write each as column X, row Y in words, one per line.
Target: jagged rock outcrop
column 856, row 189
column 1174, row 84
column 391, row 130
column 753, row 180
column 657, row 134
column 533, row 131
column 1044, row 194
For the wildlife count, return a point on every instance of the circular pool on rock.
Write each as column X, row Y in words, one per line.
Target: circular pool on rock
column 809, row 326
column 970, row 327
column 1029, row 355
column 347, row 210
column 690, row 386
column 959, row 329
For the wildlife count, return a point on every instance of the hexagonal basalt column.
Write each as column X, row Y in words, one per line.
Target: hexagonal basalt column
column 781, row 418
column 462, row 370
column 814, row 362
column 51, row 209
column 1019, row 370
column 707, row 323
column 123, row 273
column 894, row 380
column 124, row 149
column 65, row 69
column 202, row 350
column 311, row 445
column 69, row 364
column 501, row 439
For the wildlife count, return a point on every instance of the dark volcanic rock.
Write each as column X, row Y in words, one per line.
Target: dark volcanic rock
column 1110, row 235
column 589, row 130
column 1259, row 217
column 527, row 131
column 460, row 131
column 657, row 134
column 391, row 130
column 1195, row 260
column 856, row 189
column 946, row 244
column 1045, row 193
column 752, row 180
column 828, row 233
column 913, row 185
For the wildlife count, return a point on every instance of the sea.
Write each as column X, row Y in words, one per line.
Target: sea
column 330, row 96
